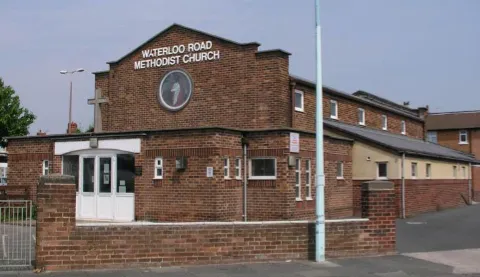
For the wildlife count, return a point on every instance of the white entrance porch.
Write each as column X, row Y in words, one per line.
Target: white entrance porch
column 105, row 178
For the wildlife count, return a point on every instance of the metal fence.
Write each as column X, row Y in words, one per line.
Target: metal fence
column 17, row 238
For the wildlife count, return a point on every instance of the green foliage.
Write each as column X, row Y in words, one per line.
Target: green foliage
column 14, row 119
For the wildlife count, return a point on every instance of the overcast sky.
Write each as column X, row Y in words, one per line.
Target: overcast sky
column 422, row 51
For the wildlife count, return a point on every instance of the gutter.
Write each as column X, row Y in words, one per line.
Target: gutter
column 403, row 185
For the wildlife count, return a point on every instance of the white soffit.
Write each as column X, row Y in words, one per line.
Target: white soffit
column 128, row 145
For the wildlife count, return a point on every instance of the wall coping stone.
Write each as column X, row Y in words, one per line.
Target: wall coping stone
column 57, row 179
column 377, row 185
column 219, row 223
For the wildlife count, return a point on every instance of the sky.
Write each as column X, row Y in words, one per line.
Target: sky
column 423, row 51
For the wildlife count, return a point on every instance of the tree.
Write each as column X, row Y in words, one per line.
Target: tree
column 14, row 119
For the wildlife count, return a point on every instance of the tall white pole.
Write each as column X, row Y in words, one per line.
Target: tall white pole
column 320, row 180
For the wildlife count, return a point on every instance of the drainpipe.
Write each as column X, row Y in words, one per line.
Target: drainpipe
column 470, row 183
column 245, row 179
column 403, row 185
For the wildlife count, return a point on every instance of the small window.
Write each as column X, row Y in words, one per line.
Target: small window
column 464, row 172
column 455, row 172
column 45, row 167
column 384, row 122
column 404, row 127
column 463, row 137
column 297, row 180
column 308, row 179
column 428, row 171
column 333, row 109
column 226, row 168
column 159, row 168
column 432, row 136
column 382, row 170
column 238, row 168
column 414, row 170
column 339, row 170
column 299, row 100
column 263, row 169
column 361, row 117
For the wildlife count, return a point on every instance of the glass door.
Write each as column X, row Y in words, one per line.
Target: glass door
column 105, row 195
column 87, row 188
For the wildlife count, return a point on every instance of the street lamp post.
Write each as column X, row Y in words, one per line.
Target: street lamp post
column 70, row 105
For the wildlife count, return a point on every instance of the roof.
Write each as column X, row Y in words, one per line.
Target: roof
column 338, row 93
column 375, row 98
column 401, row 143
column 186, row 28
column 453, row 120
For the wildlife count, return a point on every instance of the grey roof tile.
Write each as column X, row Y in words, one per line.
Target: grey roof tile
column 401, row 143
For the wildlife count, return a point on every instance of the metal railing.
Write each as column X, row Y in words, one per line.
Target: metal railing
column 16, row 233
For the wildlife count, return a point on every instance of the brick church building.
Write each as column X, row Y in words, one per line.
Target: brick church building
column 193, row 127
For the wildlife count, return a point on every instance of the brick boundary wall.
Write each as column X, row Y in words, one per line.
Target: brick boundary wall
column 422, row 196
column 63, row 245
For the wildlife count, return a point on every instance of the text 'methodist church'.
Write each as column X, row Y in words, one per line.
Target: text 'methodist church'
column 188, row 122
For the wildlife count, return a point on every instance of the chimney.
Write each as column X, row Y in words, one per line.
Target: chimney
column 72, row 129
column 41, row 133
column 423, row 112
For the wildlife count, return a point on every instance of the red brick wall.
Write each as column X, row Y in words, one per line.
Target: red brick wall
column 450, row 138
column 476, row 183
column 475, row 142
column 62, row 245
column 234, row 91
column 423, row 196
column 348, row 112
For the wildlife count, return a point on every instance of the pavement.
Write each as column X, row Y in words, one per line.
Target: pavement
column 436, row 244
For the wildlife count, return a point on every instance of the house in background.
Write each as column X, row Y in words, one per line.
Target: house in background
column 460, row 131
column 3, row 167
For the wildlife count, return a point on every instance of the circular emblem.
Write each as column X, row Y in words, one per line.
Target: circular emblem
column 175, row 90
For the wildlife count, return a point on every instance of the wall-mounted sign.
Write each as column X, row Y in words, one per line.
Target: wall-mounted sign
column 294, row 142
column 209, row 172
column 177, row 54
column 175, row 90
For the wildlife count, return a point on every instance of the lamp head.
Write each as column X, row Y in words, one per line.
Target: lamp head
column 63, row 72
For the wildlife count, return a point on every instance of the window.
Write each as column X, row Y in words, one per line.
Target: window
column 455, row 171
column 238, row 168
column 463, row 137
column 432, row 136
column 414, row 170
column 3, row 176
column 333, row 109
column 159, row 168
column 428, row 171
column 464, row 172
column 226, row 168
column 263, row 169
column 308, row 179
column 339, row 170
column 45, row 167
column 299, row 100
column 404, row 127
column 384, row 122
column 361, row 116
column 297, row 180
column 382, row 170
column 125, row 173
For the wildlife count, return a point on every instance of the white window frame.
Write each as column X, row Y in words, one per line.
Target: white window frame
column 428, row 170
column 378, row 171
column 298, row 170
column 403, row 126
column 226, row 168
column 464, row 172
column 45, row 167
column 361, row 121
column 157, row 166
column 454, row 172
column 334, row 102
column 339, row 163
column 414, row 169
column 460, row 134
column 251, row 177
column 301, row 108
column 431, row 134
column 308, row 179
column 384, row 122
column 238, row 166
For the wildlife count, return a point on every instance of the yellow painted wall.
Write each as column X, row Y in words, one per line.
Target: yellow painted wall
column 365, row 158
